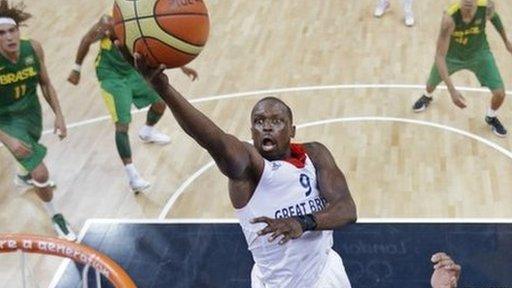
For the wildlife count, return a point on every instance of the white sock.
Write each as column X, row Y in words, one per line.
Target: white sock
column 429, row 95
column 22, row 171
column 131, row 171
column 146, row 130
column 491, row 113
column 407, row 6
column 50, row 209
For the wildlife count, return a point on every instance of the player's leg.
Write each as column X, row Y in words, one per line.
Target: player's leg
column 381, row 7
column 143, row 96
column 424, row 101
column 44, row 189
column 409, row 15
column 433, row 81
column 333, row 274
column 489, row 76
column 118, row 99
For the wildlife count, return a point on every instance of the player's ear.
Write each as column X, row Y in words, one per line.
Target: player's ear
column 292, row 135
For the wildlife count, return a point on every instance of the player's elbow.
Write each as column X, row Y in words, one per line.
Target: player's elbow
column 352, row 213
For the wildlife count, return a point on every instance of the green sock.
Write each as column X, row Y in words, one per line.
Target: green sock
column 123, row 145
column 152, row 117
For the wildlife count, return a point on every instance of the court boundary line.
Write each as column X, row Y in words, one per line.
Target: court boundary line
column 181, row 189
column 235, row 221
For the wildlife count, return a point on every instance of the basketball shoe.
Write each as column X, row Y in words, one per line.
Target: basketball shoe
column 139, row 185
column 149, row 134
column 496, row 126
column 421, row 104
column 61, row 226
column 381, row 8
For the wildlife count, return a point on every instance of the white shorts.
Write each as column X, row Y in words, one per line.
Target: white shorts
column 332, row 276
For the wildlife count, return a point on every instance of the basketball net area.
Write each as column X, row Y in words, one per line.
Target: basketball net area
column 79, row 253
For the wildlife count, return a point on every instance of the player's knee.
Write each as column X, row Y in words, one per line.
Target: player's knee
column 40, row 174
column 122, row 127
column 499, row 94
column 159, row 107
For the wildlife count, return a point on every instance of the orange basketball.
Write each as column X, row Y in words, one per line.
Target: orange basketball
column 171, row 32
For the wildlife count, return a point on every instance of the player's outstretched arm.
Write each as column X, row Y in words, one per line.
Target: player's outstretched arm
column 231, row 155
column 49, row 92
column 495, row 19
column 341, row 209
column 98, row 31
column 443, row 44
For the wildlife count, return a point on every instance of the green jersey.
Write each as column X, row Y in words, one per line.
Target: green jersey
column 468, row 39
column 110, row 62
column 18, row 81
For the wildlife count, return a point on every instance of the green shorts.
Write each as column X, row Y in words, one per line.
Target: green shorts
column 26, row 127
column 119, row 94
column 482, row 65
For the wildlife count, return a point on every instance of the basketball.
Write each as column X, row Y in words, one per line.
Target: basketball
column 170, row 32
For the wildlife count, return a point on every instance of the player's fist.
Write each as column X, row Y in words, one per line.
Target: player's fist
column 74, row 77
column 446, row 271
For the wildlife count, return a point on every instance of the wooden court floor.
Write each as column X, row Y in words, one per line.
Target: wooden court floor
column 444, row 163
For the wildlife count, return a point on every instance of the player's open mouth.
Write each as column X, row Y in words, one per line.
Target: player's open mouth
column 12, row 45
column 268, row 144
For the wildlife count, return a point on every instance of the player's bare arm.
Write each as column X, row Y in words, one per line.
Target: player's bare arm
column 340, row 209
column 99, row 30
column 235, row 159
column 495, row 19
column 49, row 93
column 443, row 44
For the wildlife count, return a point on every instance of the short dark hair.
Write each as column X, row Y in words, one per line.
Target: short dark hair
column 15, row 12
column 275, row 99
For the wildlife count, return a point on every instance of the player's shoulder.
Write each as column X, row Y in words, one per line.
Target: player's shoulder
column 453, row 8
column 36, row 45
column 316, row 150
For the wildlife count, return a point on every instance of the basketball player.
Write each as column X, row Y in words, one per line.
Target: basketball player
column 383, row 6
column 288, row 197
column 462, row 44
column 22, row 68
column 121, row 86
column 446, row 272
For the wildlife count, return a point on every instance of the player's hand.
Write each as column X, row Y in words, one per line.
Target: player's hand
column 60, row 128
column 458, row 99
column 74, row 77
column 191, row 73
column 288, row 228
column 446, row 271
column 155, row 76
column 19, row 148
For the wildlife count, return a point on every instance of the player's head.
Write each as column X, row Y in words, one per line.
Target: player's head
column 11, row 17
column 467, row 7
column 272, row 128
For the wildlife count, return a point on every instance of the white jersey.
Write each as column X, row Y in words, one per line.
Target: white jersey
column 286, row 191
